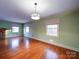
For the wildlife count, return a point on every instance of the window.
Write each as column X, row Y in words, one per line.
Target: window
column 7, row 32
column 27, row 29
column 52, row 30
column 15, row 29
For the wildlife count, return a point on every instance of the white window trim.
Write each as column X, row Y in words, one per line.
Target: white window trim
column 15, row 30
column 27, row 28
column 52, row 32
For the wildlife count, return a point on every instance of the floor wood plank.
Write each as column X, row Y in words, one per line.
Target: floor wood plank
column 28, row 48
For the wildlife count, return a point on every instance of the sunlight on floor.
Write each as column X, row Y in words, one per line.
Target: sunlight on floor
column 51, row 54
column 26, row 43
column 15, row 43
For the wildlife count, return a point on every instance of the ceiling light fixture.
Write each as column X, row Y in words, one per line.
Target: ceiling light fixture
column 35, row 15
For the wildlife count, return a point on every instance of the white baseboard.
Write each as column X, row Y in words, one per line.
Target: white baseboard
column 57, row 44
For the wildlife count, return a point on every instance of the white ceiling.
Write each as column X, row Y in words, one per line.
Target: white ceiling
column 21, row 10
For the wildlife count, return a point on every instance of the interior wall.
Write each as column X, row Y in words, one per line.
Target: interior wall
column 8, row 26
column 68, row 29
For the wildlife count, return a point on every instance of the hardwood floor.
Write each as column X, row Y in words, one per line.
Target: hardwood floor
column 27, row 48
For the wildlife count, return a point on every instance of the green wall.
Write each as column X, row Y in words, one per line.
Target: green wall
column 68, row 29
column 8, row 26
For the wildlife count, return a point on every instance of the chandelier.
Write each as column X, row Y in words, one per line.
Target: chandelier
column 35, row 15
